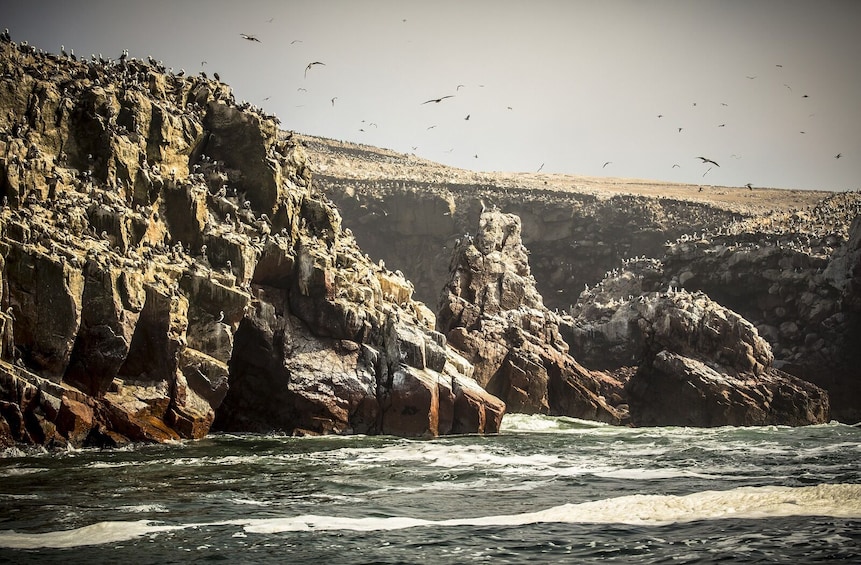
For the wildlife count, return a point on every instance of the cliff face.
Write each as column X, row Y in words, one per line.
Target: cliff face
column 491, row 311
column 167, row 263
column 783, row 260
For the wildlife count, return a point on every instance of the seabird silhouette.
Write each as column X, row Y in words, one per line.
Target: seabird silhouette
column 438, row 100
column 675, row 165
column 749, row 186
column 333, row 100
column 539, row 168
column 838, row 155
column 311, row 65
column 467, row 117
column 605, row 164
column 459, row 87
column 250, row 37
column 708, row 161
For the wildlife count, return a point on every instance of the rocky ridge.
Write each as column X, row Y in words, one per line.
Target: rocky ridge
column 783, row 260
column 168, row 265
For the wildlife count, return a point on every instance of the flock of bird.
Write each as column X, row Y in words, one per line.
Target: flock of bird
column 310, row 66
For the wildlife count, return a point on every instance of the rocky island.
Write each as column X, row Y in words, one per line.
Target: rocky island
column 174, row 263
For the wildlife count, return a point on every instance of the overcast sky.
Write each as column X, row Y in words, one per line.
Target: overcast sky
column 770, row 90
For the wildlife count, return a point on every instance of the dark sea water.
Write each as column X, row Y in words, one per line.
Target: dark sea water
column 543, row 490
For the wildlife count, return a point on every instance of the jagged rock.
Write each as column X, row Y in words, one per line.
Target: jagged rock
column 167, row 263
column 491, row 311
column 698, row 363
column 674, row 390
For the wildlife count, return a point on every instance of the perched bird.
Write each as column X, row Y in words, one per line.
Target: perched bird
column 708, row 161
column 250, row 37
column 311, row 65
column 438, row 100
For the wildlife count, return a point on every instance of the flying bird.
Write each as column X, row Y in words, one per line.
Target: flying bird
column 539, row 168
column 467, row 117
column 749, row 186
column 333, row 100
column 675, row 165
column 838, row 155
column 605, row 164
column 311, row 65
column 707, row 172
column 250, row 37
column 438, row 100
column 295, row 41
column 708, row 161
column 459, row 86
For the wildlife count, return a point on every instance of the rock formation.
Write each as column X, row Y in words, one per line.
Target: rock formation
column 694, row 362
column 794, row 276
column 784, row 260
column 491, row 311
column 168, row 264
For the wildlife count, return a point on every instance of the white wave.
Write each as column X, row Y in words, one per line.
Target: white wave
column 95, row 534
column 838, row 500
column 842, row 501
column 249, row 502
column 19, row 471
column 543, row 423
column 136, row 508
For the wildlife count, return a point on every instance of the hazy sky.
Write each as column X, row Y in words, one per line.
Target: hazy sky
column 569, row 85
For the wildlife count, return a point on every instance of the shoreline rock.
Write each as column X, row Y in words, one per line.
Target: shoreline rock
column 168, row 265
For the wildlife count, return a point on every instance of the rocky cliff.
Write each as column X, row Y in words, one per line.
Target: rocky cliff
column 491, row 311
column 169, row 266
column 783, row 260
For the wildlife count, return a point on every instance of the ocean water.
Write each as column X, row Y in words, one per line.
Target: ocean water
column 543, row 490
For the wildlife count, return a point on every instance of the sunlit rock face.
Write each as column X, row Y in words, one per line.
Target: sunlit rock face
column 168, row 265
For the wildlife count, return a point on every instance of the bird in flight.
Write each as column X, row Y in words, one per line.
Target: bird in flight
column 708, row 161
column 605, row 164
column 333, row 100
column 467, row 117
column 838, row 155
column 295, row 41
column 749, row 186
column 438, row 100
column 707, row 172
column 459, row 86
column 250, row 37
column 539, row 168
column 311, row 65
column 675, row 165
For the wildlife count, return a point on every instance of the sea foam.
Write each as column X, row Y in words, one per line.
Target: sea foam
column 834, row 500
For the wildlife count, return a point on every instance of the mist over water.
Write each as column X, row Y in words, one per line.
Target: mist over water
column 543, row 489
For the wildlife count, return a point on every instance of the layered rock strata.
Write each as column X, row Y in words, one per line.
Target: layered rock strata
column 491, row 311
column 167, row 263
